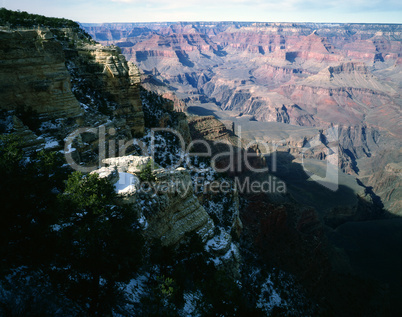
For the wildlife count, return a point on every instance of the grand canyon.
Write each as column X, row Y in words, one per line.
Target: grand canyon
column 98, row 219
column 289, row 83
column 284, row 82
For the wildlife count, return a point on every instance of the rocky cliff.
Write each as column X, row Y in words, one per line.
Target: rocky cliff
column 119, row 79
column 206, row 232
column 305, row 74
column 168, row 207
column 385, row 178
column 33, row 74
column 54, row 82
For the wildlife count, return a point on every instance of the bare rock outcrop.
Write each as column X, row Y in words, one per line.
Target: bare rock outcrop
column 33, row 74
column 53, row 83
column 128, row 164
column 167, row 206
column 180, row 211
column 385, row 179
column 28, row 139
column 118, row 79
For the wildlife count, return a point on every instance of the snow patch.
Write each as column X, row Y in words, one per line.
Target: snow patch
column 143, row 222
column 269, row 297
column 50, row 144
column 191, row 300
column 126, row 184
column 84, row 106
column 57, row 227
column 218, row 242
column 70, row 148
column 137, row 288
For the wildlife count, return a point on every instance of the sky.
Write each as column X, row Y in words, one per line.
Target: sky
column 97, row 11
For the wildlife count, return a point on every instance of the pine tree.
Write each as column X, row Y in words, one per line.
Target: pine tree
column 101, row 242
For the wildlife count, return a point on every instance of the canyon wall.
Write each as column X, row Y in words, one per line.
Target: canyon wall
column 68, row 84
column 33, row 74
column 52, row 82
column 305, row 74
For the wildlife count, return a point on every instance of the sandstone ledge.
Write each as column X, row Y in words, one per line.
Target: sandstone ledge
column 174, row 211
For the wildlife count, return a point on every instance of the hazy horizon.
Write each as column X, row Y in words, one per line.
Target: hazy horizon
column 293, row 11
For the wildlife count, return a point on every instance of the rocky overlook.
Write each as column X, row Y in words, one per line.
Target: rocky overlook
column 62, row 93
column 175, row 213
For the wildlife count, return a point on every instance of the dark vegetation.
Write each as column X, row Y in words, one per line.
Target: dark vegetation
column 86, row 88
column 158, row 110
column 24, row 19
column 146, row 172
column 64, row 231
column 186, row 270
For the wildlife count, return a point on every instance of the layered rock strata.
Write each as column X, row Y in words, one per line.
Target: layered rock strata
column 173, row 209
column 120, row 80
column 33, row 74
column 52, row 83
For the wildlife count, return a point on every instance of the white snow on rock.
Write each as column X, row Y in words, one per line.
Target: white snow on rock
column 50, row 144
column 126, row 184
column 269, row 297
column 70, row 148
column 84, row 106
column 137, row 288
column 129, row 163
column 143, row 222
column 191, row 301
column 222, row 249
column 219, row 242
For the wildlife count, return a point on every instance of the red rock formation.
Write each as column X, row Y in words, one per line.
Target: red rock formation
column 231, row 156
column 250, row 41
column 304, row 74
column 178, row 104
